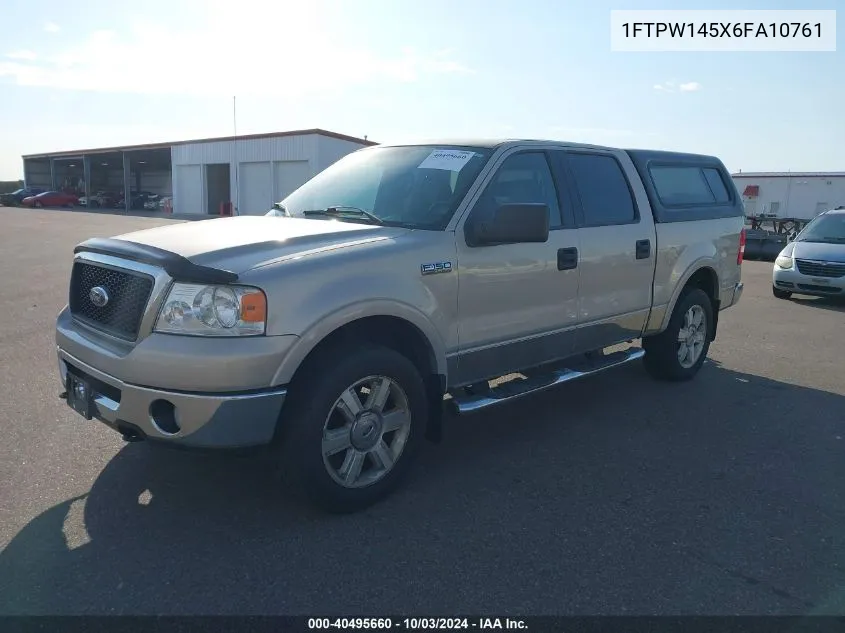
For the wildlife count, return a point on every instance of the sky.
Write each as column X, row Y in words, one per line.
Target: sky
column 105, row 73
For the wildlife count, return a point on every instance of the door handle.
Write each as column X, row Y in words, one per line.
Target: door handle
column 567, row 258
column 643, row 249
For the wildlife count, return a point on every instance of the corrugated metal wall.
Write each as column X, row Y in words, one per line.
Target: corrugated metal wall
column 330, row 150
column 269, row 168
column 248, row 150
column 797, row 196
column 37, row 173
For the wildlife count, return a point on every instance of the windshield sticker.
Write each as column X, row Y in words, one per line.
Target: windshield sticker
column 448, row 159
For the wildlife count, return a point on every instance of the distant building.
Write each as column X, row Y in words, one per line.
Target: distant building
column 248, row 172
column 801, row 195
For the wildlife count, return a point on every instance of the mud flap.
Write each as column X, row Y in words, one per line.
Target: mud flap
column 436, row 388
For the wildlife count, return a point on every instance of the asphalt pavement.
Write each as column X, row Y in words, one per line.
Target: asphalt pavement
column 615, row 495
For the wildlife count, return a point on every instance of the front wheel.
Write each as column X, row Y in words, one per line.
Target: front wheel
column 679, row 352
column 353, row 427
column 781, row 294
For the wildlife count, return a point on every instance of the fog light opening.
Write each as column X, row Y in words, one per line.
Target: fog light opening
column 163, row 416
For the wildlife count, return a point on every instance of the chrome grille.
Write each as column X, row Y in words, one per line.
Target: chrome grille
column 128, row 294
column 820, row 269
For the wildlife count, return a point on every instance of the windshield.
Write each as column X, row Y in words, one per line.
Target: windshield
column 416, row 186
column 828, row 228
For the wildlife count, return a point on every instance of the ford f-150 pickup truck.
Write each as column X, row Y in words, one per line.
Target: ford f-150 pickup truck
column 403, row 279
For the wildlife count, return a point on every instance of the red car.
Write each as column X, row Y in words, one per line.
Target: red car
column 51, row 199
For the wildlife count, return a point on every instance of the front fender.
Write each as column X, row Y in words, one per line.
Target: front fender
column 346, row 314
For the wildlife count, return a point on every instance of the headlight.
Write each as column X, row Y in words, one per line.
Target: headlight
column 200, row 310
column 783, row 261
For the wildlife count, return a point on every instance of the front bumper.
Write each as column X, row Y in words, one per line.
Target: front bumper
column 200, row 420
column 791, row 280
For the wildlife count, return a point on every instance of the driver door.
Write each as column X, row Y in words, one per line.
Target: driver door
column 517, row 303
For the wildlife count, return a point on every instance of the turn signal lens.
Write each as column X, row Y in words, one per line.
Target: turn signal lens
column 253, row 308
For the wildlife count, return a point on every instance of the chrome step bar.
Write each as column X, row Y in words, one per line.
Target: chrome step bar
column 518, row 388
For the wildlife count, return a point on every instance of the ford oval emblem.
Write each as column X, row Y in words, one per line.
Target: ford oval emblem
column 99, row 296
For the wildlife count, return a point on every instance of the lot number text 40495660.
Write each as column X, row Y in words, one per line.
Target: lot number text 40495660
column 417, row 624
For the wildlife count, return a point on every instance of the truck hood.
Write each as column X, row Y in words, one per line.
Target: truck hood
column 239, row 243
column 818, row 251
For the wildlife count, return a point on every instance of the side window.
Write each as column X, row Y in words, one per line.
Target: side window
column 603, row 189
column 525, row 178
column 717, row 185
column 682, row 185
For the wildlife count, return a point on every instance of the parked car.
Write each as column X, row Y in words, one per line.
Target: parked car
column 813, row 262
column 164, row 201
column 155, row 202
column 137, row 199
column 15, row 198
column 334, row 327
column 51, row 199
column 94, row 200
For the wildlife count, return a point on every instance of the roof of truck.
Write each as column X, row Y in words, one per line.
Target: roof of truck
column 488, row 143
column 492, row 143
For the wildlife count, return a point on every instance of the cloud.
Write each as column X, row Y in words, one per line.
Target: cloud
column 22, row 55
column 230, row 54
column 52, row 27
column 671, row 86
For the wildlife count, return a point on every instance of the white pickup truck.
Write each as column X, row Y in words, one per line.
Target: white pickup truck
column 333, row 329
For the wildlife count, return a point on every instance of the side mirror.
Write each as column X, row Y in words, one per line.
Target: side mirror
column 516, row 223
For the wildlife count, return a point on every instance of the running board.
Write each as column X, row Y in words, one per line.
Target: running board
column 517, row 388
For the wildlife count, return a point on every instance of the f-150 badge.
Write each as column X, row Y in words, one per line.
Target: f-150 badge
column 436, row 268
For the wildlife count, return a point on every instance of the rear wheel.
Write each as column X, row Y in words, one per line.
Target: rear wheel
column 678, row 353
column 781, row 294
column 353, row 427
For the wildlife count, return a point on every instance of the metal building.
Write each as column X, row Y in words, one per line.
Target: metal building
column 203, row 176
column 799, row 195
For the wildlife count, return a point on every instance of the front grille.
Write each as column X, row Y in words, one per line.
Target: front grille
column 820, row 269
column 128, row 293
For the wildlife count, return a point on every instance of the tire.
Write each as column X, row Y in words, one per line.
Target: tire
column 313, row 409
column 781, row 294
column 663, row 352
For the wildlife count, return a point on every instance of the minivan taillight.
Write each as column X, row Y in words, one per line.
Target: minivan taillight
column 741, row 252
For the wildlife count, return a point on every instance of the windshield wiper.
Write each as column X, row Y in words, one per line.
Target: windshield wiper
column 341, row 210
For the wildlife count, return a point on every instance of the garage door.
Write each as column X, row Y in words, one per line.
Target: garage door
column 187, row 193
column 256, row 189
column 289, row 176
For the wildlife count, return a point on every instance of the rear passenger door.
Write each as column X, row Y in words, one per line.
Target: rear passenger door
column 617, row 250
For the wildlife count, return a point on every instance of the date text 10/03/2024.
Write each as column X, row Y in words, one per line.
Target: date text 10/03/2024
column 414, row 624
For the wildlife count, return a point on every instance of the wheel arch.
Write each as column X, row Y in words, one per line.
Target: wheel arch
column 393, row 325
column 700, row 275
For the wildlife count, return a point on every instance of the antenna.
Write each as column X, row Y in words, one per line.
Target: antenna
column 235, row 151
